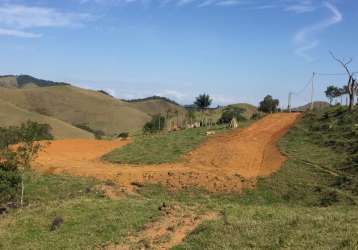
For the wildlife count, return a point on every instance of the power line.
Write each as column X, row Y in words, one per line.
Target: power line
column 304, row 88
column 334, row 74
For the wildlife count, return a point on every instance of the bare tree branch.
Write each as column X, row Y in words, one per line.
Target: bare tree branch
column 344, row 63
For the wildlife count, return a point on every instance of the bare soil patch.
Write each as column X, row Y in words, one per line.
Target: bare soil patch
column 168, row 231
column 224, row 163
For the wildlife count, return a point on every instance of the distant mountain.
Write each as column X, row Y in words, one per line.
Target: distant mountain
column 71, row 105
column 316, row 105
column 65, row 106
column 24, row 81
column 156, row 105
column 155, row 97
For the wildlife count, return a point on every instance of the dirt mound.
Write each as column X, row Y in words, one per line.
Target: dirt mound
column 224, row 163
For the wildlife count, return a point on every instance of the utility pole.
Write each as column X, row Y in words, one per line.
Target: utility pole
column 289, row 101
column 312, row 90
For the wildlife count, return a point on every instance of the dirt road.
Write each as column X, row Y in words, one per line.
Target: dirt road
column 224, row 163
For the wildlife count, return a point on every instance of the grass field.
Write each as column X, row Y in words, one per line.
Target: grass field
column 90, row 219
column 165, row 147
column 309, row 203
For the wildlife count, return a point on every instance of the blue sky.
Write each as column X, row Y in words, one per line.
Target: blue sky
column 235, row 50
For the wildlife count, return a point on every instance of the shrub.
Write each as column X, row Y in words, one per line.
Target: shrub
column 14, row 161
column 123, row 135
column 10, row 181
column 98, row 134
column 231, row 112
column 256, row 116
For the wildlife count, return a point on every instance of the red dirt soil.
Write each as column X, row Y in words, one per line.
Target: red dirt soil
column 224, row 163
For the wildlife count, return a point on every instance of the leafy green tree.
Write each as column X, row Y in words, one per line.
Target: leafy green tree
column 269, row 105
column 332, row 92
column 203, row 101
column 18, row 147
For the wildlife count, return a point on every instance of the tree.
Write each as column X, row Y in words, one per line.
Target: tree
column 332, row 92
column 203, row 101
column 352, row 84
column 269, row 105
column 18, row 147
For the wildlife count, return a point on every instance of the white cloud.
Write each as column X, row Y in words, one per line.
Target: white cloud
column 112, row 92
column 228, row 2
column 301, row 7
column 18, row 33
column 16, row 20
column 306, row 39
column 173, row 93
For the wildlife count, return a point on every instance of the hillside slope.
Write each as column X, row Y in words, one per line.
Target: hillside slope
column 78, row 106
column 11, row 115
column 155, row 106
column 26, row 81
column 316, row 105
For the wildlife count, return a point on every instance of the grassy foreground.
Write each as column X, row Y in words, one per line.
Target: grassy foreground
column 309, row 203
column 90, row 220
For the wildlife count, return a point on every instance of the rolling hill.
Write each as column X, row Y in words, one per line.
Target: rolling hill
column 78, row 106
column 63, row 105
column 26, row 81
column 11, row 115
column 157, row 105
column 316, row 105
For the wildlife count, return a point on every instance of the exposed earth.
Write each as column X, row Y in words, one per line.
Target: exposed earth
column 225, row 163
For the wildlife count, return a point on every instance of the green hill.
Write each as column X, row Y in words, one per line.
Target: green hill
column 316, row 105
column 11, row 115
column 78, row 106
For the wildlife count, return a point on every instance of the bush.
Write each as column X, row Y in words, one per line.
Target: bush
column 123, row 135
column 231, row 112
column 9, row 185
column 29, row 131
column 98, row 134
column 155, row 125
column 13, row 161
column 256, row 116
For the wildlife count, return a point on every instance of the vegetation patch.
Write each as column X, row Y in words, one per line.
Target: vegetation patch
column 159, row 148
column 70, row 213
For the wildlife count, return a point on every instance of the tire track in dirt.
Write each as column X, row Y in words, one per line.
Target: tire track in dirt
column 225, row 163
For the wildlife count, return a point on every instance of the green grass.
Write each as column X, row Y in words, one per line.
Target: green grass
column 90, row 219
column 165, row 147
column 309, row 203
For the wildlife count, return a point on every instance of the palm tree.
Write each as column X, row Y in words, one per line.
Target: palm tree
column 203, row 101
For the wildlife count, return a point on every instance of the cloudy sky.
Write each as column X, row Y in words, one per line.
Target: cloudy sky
column 235, row 50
